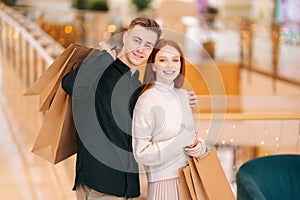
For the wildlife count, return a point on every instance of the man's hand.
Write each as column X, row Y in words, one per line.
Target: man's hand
column 193, row 99
column 107, row 47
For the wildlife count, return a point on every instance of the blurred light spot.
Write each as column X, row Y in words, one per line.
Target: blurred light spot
column 111, row 28
column 206, row 131
column 68, row 29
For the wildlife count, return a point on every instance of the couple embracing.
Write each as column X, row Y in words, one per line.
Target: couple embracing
column 152, row 122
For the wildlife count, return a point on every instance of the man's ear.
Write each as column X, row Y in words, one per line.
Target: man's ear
column 125, row 36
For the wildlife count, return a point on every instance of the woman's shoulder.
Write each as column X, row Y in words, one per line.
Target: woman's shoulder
column 147, row 97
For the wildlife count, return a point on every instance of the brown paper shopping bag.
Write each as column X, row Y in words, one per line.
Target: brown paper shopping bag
column 204, row 179
column 186, row 187
column 46, row 85
column 56, row 139
column 190, row 184
column 213, row 177
column 200, row 192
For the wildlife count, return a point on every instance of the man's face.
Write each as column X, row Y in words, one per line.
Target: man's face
column 138, row 45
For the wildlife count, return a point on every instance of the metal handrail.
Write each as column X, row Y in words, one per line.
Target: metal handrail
column 25, row 46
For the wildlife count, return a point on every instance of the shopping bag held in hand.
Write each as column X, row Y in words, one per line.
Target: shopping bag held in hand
column 204, row 179
column 47, row 84
column 56, row 139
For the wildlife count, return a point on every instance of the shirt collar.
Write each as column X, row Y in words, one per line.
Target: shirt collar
column 121, row 66
column 125, row 69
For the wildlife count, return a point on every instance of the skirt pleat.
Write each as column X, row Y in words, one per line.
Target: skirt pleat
column 163, row 190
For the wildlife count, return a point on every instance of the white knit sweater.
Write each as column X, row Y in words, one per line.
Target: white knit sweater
column 162, row 127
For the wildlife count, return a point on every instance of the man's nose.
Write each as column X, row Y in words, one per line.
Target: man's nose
column 140, row 47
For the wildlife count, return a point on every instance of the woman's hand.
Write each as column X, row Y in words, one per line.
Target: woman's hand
column 196, row 149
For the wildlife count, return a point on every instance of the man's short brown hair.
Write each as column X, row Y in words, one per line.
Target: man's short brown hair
column 147, row 23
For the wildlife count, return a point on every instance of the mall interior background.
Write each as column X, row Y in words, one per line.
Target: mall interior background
column 253, row 44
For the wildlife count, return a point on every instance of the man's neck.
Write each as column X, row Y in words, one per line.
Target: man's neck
column 122, row 57
column 132, row 71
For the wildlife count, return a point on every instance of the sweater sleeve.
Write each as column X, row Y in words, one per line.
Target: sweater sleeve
column 149, row 152
column 95, row 62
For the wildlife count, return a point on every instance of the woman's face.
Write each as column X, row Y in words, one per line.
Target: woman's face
column 167, row 64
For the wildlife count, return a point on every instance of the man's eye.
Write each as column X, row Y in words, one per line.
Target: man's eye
column 137, row 41
column 148, row 46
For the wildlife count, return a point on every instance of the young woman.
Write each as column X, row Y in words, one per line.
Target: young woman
column 163, row 128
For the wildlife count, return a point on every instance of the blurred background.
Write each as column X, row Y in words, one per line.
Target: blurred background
column 242, row 53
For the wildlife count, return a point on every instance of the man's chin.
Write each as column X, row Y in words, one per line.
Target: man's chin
column 137, row 62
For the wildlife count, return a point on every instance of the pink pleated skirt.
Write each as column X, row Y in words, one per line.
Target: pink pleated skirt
column 163, row 190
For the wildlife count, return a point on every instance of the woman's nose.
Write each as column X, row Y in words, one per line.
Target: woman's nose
column 170, row 64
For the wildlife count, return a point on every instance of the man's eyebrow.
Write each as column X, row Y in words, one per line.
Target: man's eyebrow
column 149, row 43
column 137, row 37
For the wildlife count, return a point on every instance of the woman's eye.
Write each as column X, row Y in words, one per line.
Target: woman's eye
column 162, row 60
column 176, row 60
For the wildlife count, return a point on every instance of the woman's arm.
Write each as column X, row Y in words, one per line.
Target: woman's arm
column 150, row 152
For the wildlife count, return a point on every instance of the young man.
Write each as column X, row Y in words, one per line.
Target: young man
column 95, row 178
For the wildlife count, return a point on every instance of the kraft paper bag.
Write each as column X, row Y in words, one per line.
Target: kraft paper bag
column 186, row 188
column 213, row 177
column 46, row 85
column 190, row 184
column 197, row 182
column 56, row 139
column 204, row 179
